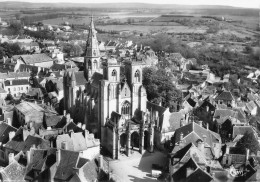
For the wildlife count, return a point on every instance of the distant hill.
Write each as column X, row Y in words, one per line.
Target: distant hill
column 21, row 5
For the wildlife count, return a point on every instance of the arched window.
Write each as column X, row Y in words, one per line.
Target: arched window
column 95, row 64
column 137, row 76
column 89, row 64
column 125, row 110
column 125, row 92
column 114, row 75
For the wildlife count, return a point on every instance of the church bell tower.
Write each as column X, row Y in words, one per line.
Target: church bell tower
column 92, row 53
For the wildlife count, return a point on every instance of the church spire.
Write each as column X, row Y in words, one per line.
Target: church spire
column 92, row 56
column 92, row 42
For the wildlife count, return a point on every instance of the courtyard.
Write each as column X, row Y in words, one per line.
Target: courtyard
column 137, row 167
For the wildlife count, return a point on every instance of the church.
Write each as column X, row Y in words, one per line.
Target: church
column 112, row 108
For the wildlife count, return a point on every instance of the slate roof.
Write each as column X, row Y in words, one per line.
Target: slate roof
column 39, row 158
column 197, row 173
column 16, row 144
column 68, row 161
column 80, row 79
column 191, row 102
column 90, row 171
column 207, row 103
column 4, row 132
column 17, row 82
column 14, row 75
column 190, row 150
column 35, row 58
column 96, row 77
column 225, row 95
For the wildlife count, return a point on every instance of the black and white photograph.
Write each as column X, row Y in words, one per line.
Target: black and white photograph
column 129, row 91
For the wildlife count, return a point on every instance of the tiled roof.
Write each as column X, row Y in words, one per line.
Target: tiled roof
column 251, row 106
column 225, row 95
column 4, row 132
column 68, row 161
column 17, row 82
column 14, row 172
column 79, row 141
column 15, row 75
column 36, row 58
column 241, row 130
column 29, row 108
column 52, row 120
column 219, row 113
column 194, row 128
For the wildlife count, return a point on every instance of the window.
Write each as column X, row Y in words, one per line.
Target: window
column 125, row 92
column 18, row 88
column 114, row 75
column 137, row 76
column 21, row 88
column 95, row 64
column 14, row 89
column 125, row 110
column 89, row 64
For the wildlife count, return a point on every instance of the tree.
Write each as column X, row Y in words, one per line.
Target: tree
column 248, row 141
column 160, row 88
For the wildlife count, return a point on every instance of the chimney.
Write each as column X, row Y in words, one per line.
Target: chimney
column 64, row 112
column 11, row 135
column 101, row 161
column 83, row 127
column 9, row 121
column 11, row 158
column 58, row 156
column 207, row 108
column 207, row 126
column 28, row 156
column 200, row 123
column 182, row 123
column 68, row 118
column 181, row 136
column 11, row 82
column 247, row 154
column 227, row 149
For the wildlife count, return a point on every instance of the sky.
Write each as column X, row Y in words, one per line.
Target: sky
column 236, row 3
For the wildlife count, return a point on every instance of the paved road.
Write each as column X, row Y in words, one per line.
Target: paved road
column 137, row 167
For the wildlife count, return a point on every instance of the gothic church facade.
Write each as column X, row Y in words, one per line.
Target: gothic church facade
column 114, row 110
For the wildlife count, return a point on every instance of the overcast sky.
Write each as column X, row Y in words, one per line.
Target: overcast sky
column 237, row 3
